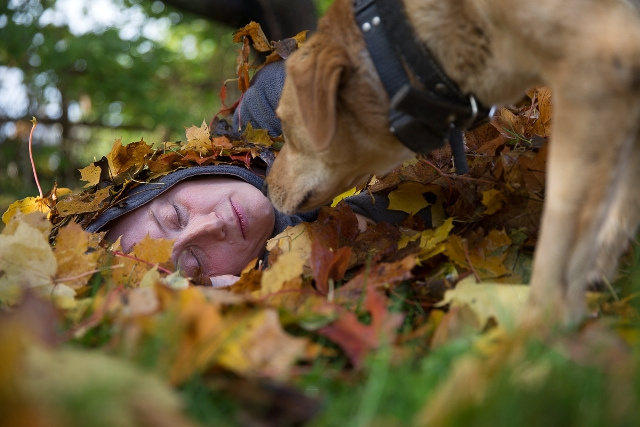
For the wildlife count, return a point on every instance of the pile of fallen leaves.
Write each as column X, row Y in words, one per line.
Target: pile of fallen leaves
column 90, row 335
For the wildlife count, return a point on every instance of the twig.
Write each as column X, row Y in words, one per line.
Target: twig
column 88, row 273
column 122, row 254
column 33, row 166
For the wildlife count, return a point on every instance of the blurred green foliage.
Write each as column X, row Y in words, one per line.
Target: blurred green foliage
column 93, row 72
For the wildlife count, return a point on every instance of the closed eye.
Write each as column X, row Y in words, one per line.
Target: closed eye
column 180, row 216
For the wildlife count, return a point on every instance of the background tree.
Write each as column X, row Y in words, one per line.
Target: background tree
column 95, row 71
column 279, row 18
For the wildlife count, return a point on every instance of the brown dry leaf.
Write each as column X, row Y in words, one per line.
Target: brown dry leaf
column 533, row 168
column 258, row 38
column 377, row 242
column 486, row 256
column 258, row 346
column 76, row 263
column 130, row 157
column 542, row 126
column 328, row 263
column 383, row 274
column 197, row 333
column 221, row 142
column 83, row 203
column 199, row 139
column 509, row 124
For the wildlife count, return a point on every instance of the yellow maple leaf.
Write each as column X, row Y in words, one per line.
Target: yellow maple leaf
column 292, row 239
column 288, row 267
column 489, row 300
column 34, row 204
column 344, row 195
column 431, row 240
column 75, row 262
column 27, row 260
column 145, row 255
column 90, row 174
column 26, row 206
column 260, row 347
column 408, row 197
column 494, row 200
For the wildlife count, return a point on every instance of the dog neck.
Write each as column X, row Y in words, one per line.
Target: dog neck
column 425, row 104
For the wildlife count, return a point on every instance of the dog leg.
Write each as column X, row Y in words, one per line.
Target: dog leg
column 622, row 222
column 589, row 158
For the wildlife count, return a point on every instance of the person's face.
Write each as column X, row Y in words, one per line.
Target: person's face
column 218, row 224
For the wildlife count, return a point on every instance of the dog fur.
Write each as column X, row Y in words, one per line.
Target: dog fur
column 334, row 113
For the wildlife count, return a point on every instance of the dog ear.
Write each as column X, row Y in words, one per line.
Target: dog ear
column 316, row 77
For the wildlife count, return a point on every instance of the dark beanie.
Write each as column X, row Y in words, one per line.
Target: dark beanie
column 258, row 104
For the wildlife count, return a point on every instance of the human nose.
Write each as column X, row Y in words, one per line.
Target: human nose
column 204, row 226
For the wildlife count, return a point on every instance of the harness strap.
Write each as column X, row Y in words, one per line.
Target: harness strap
column 423, row 118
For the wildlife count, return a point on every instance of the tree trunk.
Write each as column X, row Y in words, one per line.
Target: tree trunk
column 279, row 18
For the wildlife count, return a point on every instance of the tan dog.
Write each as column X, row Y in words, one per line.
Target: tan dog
column 334, row 112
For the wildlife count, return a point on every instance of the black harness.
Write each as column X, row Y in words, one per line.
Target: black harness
column 426, row 117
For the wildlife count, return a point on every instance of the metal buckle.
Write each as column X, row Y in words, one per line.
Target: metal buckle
column 474, row 113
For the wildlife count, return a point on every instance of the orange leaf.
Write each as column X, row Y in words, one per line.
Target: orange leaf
column 358, row 339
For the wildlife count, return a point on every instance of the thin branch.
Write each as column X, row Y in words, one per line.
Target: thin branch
column 33, row 166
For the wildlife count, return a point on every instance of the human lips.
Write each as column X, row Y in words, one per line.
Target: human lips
column 241, row 217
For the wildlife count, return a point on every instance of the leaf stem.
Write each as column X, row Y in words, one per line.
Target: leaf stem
column 122, row 254
column 88, row 273
column 33, row 166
